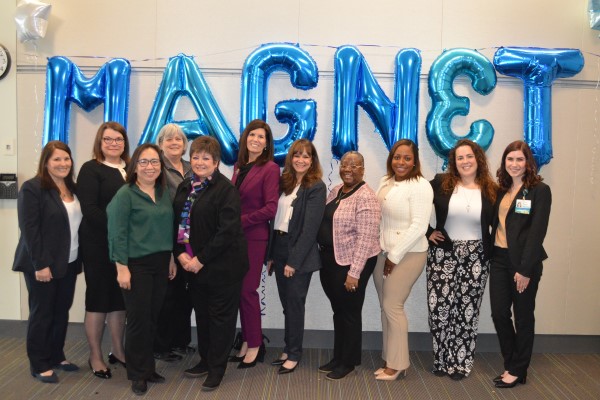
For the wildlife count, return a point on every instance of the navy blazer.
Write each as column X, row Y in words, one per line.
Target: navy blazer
column 216, row 235
column 442, row 200
column 308, row 210
column 45, row 232
column 525, row 233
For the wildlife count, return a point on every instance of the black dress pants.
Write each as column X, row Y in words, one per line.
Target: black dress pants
column 216, row 307
column 347, row 306
column 149, row 278
column 49, row 304
column 516, row 340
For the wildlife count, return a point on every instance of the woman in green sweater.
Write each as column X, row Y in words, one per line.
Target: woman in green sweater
column 140, row 226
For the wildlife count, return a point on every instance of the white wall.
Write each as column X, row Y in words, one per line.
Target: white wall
column 222, row 34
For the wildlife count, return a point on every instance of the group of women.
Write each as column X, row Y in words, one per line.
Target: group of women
column 160, row 235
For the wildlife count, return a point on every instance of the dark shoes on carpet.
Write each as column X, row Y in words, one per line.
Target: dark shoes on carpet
column 156, row 378
column 67, row 367
column 46, row 378
column 197, row 370
column 330, row 366
column 211, row 383
column 167, row 356
column 112, row 359
column 139, row 387
column 339, row 372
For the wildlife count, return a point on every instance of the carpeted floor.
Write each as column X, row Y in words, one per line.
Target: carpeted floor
column 551, row 376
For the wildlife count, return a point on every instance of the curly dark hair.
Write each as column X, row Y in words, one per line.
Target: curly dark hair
column 530, row 178
column 483, row 177
column 288, row 176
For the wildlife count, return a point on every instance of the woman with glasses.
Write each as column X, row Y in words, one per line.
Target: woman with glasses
column 349, row 244
column 140, row 226
column 99, row 179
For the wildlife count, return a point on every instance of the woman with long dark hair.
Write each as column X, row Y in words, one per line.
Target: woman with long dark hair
column 47, row 254
column 522, row 212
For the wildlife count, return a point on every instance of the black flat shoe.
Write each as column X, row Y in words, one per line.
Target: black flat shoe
column 139, row 387
column 67, row 367
column 505, row 385
column 46, row 378
column 260, row 357
column 210, row 384
column 329, row 367
column 112, row 359
column 339, row 372
column 156, row 378
column 278, row 361
column 283, row 370
column 196, row 371
column 103, row 373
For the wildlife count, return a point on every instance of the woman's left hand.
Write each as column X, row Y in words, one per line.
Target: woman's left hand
column 521, row 281
column 43, row 275
column 194, row 265
column 172, row 269
column 351, row 283
column 388, row 267
column 288, row 271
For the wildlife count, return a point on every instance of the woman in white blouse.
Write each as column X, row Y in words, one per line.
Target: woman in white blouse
column 406, row 202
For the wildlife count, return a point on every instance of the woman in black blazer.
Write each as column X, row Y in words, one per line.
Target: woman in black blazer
column 47, row 254
column 211, row 247
column 458, row 261
column 522, row 211
column 294, row 252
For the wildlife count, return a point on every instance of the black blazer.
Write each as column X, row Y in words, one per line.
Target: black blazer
column 309, row 206
column 45, row 232
column 441, row 201
column 525, row 233
column 216, row 234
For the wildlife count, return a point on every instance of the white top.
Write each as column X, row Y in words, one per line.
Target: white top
column 464, row 214
column 75, row 215
column 285, row 210
column 120, row 167
column 405, row 211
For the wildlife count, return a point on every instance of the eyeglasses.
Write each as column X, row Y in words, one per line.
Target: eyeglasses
column 144, row 163
column 353, row 167
column 108, row 140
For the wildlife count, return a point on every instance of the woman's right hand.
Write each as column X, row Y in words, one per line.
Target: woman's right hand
column 123, row 276
column 43, row 275
column 436, row 236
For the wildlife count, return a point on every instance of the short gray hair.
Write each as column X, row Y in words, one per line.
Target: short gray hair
column 168, row 131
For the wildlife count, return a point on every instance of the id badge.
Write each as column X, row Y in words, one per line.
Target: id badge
column 523, row 206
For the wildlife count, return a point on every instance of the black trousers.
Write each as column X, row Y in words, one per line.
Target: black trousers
column 347, row 306
column 149, row 278
column 49, row 304
column 174, row 321
column 516, row 340
column 216, row 308
column 292, row 294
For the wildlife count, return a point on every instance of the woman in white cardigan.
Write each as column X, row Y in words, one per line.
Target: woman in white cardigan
column 406, row 201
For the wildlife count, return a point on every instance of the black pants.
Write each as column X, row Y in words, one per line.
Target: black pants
column 347, row 306
column 292, row 294
column 216, row 308
column 516, row 340
column 174, row 321
column 149, row 277
column 49, row 304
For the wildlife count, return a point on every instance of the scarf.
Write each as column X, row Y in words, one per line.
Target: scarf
column 183, row 233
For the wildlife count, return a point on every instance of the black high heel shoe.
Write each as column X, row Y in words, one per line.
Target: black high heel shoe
column 498, row 378
column 236, row 358
column 260, row 357
column 504, row 385
column 112, row 359
column 102, row 373
column 283, row 370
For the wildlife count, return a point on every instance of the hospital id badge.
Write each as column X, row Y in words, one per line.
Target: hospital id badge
column 523, row 206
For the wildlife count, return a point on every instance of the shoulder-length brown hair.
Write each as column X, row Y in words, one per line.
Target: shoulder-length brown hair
column 97, row 149
column 314, row 173
column 416, row 171
column 131, row 168
column 530, row 178
column 267, row 154
column 483, row 177
column 42, row 171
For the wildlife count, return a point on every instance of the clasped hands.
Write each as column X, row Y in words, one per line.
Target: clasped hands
column 190, row 264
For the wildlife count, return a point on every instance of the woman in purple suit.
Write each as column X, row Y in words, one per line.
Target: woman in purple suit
column 257, row 178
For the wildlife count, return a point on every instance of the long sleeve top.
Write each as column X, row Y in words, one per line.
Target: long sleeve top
column 405, row 213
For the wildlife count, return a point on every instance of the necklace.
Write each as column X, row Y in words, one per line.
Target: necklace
column 342, row 195
column 65, row 195
column 467, row 198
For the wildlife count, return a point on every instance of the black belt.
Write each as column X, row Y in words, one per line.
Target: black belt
column 280, row 233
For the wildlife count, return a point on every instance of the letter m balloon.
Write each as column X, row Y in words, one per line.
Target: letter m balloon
column 66, row 84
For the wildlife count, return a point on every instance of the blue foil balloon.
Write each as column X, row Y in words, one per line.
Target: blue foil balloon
column 355, row 85
column 182, row 77
column 66, row 84
column 446, row 104
column 300, row 115
column 538, row 68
